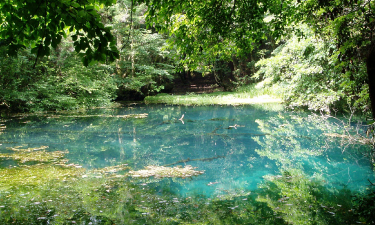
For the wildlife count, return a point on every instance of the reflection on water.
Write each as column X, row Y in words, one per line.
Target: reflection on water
column 260, row 155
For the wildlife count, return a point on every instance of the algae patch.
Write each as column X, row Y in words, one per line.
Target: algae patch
column 162, row 171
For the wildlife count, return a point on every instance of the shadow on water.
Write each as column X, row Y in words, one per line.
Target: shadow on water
column 261, row 166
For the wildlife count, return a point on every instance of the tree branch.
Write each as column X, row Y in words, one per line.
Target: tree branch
column 130, row 25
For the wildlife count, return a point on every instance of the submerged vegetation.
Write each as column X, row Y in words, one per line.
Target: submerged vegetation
column 54, row 194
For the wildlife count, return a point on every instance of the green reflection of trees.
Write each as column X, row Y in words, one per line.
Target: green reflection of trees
column 50, row 193
column 298, row 200
column 112, row 199
column 304, row 192
column 299, row 141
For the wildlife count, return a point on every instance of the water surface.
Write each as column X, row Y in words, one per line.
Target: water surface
column 239, row 148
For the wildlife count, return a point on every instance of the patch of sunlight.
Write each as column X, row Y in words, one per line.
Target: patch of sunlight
column 211, row 99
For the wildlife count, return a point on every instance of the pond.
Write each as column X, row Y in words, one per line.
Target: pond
column 146, row 164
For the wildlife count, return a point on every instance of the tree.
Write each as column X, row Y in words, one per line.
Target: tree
column 144, row 66
column 41, row 25
column 218, row 25
column 352, row 24
column 302, row 69
column 206, row 29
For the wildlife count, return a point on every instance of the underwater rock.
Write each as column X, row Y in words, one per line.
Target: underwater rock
column 162, row 171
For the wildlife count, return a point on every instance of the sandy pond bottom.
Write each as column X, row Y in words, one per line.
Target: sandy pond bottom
column 237, row 153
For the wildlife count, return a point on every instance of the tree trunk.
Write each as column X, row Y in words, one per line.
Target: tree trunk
column 371, row 78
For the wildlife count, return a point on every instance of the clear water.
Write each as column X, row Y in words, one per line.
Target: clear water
column 235, row 146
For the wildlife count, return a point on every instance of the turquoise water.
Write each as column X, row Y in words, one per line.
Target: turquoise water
column 235, row 146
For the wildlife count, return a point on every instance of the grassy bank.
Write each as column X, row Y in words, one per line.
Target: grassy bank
column 251, row 94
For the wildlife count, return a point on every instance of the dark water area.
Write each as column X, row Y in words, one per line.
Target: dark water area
column 259, row 164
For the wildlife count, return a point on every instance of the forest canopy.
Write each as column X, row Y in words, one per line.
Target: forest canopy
column 316, row 53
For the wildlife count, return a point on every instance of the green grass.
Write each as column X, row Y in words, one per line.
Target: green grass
column 251, row 94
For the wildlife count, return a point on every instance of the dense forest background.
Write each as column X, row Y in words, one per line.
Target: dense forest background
column 312, row 54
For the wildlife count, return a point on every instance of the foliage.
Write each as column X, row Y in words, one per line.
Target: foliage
column 218, row 26
column 207, row 31
column 41, row 25
column 144, row 66
column 304, row 68
column 350, row 25
column 56, row 83
column 218, row 37
column 306, row 72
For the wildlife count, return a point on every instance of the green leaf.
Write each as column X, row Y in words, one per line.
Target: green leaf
column 82, row 13
column 75, row 5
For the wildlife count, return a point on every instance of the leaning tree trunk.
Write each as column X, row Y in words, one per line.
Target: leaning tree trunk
column 371, row 78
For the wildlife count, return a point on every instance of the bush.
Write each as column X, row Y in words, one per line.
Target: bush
column 310, row 74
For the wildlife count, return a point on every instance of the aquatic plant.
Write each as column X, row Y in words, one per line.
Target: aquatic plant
column 199, row 159
column 37, row 154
